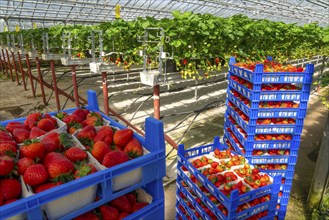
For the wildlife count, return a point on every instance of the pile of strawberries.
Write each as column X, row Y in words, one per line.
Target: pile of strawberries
column 79, row 119
column 270, row 66
column 110, row 146
column 116, row 209
column 35, row 125
column 10, row 186
column 272, row 152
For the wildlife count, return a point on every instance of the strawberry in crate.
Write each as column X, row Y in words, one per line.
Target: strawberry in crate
column 109, row 146
column 80, row 118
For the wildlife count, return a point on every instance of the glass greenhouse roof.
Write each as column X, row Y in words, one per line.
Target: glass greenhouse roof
column 49, row 12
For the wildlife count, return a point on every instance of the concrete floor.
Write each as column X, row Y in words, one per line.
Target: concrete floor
column 15, row 102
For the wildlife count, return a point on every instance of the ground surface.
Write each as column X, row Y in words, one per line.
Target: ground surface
column 179, row 108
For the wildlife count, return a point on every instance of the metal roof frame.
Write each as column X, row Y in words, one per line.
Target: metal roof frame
column 49, row 12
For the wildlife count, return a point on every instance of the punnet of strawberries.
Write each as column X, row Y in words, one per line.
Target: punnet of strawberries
column 110, row 146
column 35, row 125
column 116, row 209
column 80, row 118
column 270, row 66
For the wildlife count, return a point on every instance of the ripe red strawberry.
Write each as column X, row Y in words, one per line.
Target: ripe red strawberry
column 114, row 158
column 8, row 148
column 87, row 216
column 122, row 203
column 32, row 119
column 6, row 165
column 109, row 212
column 133, row 148
column 122, row 137
column 12, row 125
column 116, row 148
column 36, row 132
column 81, row 113
column 4, row 136
column 53, row 141
column 139, row 205
column 84, row 170
column 71, row 118
column 32, row 149
column 75, row 154
column 100, row 149
column 52, row 119
column 87, row 134
column 45, row 186
column 23, row 164
column 132, row 198
column 1, row 199
column 35, row 174
column 94, row 121
column 58, row 166
column 46, row 124
column 10, row 188
column 94, row 114
column 105, row 134
column 21, row 134
column 123, row 215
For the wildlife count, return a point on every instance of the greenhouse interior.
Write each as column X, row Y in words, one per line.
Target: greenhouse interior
column 163, row 110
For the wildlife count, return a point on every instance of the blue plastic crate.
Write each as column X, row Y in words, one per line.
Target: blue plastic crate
column 264, row 95
column 232, row 212
column 235, row 199
column 250, row 144
column 152, row 165
column 259, row 76
column 252, row 128
column 191, row 199
column 281, row 213
column 254, row 111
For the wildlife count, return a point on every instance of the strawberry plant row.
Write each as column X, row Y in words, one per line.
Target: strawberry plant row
column 198, row 182
column 276, row 73
column 150, row 167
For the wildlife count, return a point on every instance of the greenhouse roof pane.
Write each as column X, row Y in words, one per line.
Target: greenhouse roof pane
column 13, row 12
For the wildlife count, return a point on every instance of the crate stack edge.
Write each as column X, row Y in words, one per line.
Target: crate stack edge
column 247, row 143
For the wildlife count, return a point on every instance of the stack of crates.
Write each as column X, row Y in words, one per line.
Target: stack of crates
column 252, row 114
column 69, row 198
column 199, row 198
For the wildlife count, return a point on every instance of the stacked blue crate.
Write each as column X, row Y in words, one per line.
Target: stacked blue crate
column 240, row 133
column 189, row 192
column 151, row 164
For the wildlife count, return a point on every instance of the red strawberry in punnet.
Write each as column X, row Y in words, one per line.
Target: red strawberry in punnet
column 23, row 164
column 87, row 134
column 84, row 170
column 10, row 188
column 81, row 113
column 36, row 132
column 122, row 203
column 100, row 149
column 132, row 198
column 109, row 212
column 75, row 154
column 58, row 166
column 123, row 215
column 4, row 136
column 12, row 125
column 32, row 149
column 71, row 118
column 8, row 148
column 21, row 134
column 114, row 158
column 35, row 174
column 46, row 124
column 6, row 165
column 32, row 119
column 45, row 186
column 52, row 119
column 105, row 134
column 133, row 148
column 122, row 137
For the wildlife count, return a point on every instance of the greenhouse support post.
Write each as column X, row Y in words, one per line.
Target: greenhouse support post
column 9, row 66
column 41, row 81
column 4, row 62
column 321, row 172
column 156, row 100
column 21, row 70
column 30, row 74
column 15, row 67
column 53, row 74
column 105, row 93
column 1, row 64
column 75, row 86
